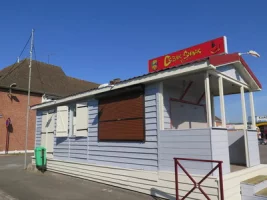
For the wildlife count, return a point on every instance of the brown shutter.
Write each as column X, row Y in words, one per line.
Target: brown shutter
column 121, row 117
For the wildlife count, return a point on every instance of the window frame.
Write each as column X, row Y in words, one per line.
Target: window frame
column 72, row 110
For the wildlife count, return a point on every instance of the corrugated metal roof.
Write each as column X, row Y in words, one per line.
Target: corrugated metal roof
column 130, row 79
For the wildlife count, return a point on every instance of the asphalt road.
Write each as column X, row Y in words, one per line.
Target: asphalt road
column 19, row 184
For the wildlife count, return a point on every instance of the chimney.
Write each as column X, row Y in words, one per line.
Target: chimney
column 115, row 81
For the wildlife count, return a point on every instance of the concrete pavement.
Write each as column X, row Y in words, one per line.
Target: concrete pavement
column 19, row 184
column 263, row 154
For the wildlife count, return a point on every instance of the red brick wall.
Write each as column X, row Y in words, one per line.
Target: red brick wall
column 15, row 109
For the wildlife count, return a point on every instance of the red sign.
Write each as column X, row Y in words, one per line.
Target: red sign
column 198, row 52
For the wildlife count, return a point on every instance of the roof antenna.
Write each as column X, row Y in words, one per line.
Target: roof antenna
column 48, row 57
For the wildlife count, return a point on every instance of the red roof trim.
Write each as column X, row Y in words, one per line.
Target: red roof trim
column 250, row 72
column 218, row 60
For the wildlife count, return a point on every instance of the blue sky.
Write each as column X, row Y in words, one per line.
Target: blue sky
column 101, row 40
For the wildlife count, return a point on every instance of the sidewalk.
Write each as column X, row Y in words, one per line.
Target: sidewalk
column 19, row 184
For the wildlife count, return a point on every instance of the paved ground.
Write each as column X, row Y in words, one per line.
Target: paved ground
column 19, row 184
column 263, row 154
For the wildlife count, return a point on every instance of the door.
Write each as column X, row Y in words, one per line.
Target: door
column 49, row 143
column 48, row 129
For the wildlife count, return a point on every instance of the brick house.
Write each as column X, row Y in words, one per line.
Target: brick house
column 48, row 82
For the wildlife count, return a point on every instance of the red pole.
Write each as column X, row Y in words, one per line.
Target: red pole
column 7, row 141
column 176, row 179
column 221, row 181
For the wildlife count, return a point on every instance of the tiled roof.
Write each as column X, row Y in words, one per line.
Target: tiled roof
column 46, row 79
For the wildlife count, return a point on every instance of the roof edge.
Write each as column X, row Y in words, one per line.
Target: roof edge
column 220, row 60
column 147, row 78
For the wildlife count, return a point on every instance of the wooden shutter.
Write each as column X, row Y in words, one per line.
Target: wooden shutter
column 121, row 117
column 62, row 121
column 50, row 121
column 81, row 119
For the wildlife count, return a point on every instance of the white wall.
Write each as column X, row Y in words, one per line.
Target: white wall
column 237, row 147
column 180, row 115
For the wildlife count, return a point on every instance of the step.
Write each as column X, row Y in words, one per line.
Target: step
column 262, row 193
column 254, row 188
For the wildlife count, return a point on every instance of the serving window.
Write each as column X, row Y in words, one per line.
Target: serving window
column 121, row 115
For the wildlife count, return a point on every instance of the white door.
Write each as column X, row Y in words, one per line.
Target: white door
column 48, row 127
column 49, row 143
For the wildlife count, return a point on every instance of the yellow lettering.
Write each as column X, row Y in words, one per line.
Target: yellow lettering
column 167, row 61
column 178, row 57
column 186, row 55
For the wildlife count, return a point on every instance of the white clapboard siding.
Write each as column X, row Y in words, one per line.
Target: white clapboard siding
column 62, row 121
column 232, row 180
column 61, row 148
column 220, row 148
column 253, row 148
column 133, row 155
column 230, row 71
column 195, row 144
column 78, row 148
column 158, row 184
column 38, row 128
column 81, row 119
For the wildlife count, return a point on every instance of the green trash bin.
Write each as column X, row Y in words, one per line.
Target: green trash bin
column 40, row 157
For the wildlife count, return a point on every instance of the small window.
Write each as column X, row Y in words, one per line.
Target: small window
column 62, row 121
column 78, row 119
column 72, row 120
column 81, row 119
column 48, row 123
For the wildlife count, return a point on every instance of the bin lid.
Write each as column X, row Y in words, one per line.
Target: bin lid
column 40, row 148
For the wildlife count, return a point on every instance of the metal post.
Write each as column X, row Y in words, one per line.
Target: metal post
column 46, row 132
column 252, row 110
column 176, row 179
column 212, row 110
column 244, row 114
column 28, row 104
column 221, row 181
column 208, row 103
column 222, row 106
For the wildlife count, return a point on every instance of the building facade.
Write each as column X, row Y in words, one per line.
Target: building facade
column 13, row 98
column 127, row 134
